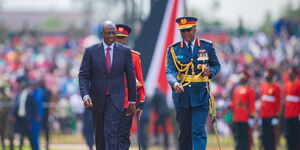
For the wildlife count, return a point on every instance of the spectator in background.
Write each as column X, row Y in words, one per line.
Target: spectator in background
column 159, row 104
column 243, row 112
column 45, row 120
column 269, row 109
column 144, row 124
column 6, row 128
column 88, row 130
column 39, row 97
column 25, row 112
column 292, row 110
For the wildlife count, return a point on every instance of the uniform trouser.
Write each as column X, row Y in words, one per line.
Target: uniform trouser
column 36, row 127
column 45, row 127
column 124, row 131
column 24, row 130
column 161, row 121
column 292, row 133
column 268, row 134
column 241, row 136
column 191, row 122
column 87, row 129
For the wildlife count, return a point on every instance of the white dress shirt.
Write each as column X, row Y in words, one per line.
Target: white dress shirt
column 193, row 44
column 111, row 52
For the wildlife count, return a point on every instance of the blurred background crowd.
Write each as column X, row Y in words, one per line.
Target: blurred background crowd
column 42, row 59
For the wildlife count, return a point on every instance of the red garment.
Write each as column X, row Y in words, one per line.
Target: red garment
column 243, row 103
column 139, row 78
column 292, row 99
column 269, row 100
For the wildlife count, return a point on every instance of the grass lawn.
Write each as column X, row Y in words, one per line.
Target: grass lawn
column 76, row 142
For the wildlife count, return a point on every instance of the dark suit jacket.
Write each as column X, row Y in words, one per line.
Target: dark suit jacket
column 30, row 107
column 94, row 78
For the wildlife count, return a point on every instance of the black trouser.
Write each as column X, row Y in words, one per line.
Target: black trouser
column 45, row 127
column 124, row 131
column 161, row 121
column 268, row 134
column 241, row 136
column 292, row 133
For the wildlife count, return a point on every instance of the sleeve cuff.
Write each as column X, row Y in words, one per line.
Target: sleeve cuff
column 84, row 97
column 132, row 102
column 140, row 105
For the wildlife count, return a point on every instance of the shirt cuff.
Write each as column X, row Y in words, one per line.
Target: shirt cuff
column 84, row 97
column 132, row 102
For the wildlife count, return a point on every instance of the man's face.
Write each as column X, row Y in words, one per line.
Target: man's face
column 188, row 35
column 122, row 39
column 268, row 77
column 109, row 34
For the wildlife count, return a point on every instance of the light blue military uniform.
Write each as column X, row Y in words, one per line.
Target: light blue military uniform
column 192, row 105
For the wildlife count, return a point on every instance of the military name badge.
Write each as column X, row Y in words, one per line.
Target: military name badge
column 179, row 57
column 202, row 55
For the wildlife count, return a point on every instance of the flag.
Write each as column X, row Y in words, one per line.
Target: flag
column 168, row 34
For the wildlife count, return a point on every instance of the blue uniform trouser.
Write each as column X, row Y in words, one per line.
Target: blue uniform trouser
column 87, row 130
column 124, row 131
column 191, row 122
column 36, row 128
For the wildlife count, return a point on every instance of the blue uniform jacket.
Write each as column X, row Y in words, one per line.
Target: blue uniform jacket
column 204, row 53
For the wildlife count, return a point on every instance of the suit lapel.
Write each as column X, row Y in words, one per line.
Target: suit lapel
column 101, row 56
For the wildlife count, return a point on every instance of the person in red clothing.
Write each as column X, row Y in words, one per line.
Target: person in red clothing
column 269, row 109
column 122, row 33
column 243, row 112
column 292, row 110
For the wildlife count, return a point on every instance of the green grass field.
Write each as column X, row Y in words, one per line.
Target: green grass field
column 76, row 142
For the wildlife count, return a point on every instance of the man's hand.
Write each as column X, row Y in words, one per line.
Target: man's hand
column 130, row 110
column 178, row 87
column 138, row 84
column 139, row 112
column 206, row 72
column 274, row 121
column 87, row 101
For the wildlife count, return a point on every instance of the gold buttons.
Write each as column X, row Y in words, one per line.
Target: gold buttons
column 190, row 85
column 199, row 66
column 192, row 59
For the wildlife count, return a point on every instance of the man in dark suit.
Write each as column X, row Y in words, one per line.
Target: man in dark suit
column 101, row 83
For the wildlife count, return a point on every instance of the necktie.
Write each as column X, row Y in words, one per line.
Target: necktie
column 108, row 59
column 108, row 64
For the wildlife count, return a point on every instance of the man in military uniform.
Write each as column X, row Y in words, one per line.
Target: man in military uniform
column 292, row 110
column 243, row 112
column 269, row 109
column 191, row 63
column 122, row 33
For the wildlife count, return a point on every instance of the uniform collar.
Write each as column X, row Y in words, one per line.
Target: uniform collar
column 193, row 43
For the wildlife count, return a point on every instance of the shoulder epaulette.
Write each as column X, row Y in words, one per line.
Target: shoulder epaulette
column 207, row 41
column 173, row 45
column 133, row 51
column 198, row 43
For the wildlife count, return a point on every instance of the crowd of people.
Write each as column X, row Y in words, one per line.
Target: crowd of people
column 39, row 85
